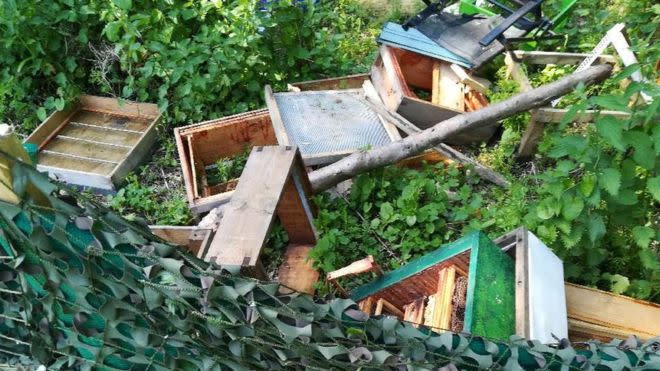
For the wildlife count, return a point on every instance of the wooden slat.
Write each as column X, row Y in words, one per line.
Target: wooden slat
column 450, row 91
column 276, row 117
column 334, row 83
column 147, row 111
column 297, row 271
column 366, row 305
column 189, row 236
column 414, row 312
column 384, row 304
column 541, row 57
column 442, row 310
column 250, row 214
column 522, row 285
column 614, row 315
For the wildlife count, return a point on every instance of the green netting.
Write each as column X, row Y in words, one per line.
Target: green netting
column 82, row 288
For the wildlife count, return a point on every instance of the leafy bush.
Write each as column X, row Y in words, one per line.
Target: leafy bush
column 197, row 60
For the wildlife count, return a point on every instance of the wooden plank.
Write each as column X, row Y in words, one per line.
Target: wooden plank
column 333, row 83
column 297, row 270
column 147, row 111
column 435, row 89
column 294, row 211
column 561, row 58
column 555, row 115
column 187, row 236
column 386, row 84
column 250, row 214
column 195, row 167
column 182, row 146
column 615, row 315
column 139, row 153
column 276, row 117
column 99, row 135
column 366, row 305
column 50, row 127
column 451, row 92
column 71, row 175
column 110, row 121
column 441, row 317
column 522, row 284
column 477, row 83
column 392, row 131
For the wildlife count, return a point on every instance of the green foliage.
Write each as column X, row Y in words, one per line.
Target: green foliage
column 195, row 59
column 83, row 288
column 596, row 206
column 396, row 214
column 228, row 168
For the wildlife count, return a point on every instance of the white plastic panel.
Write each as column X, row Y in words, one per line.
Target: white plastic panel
column 547, row 299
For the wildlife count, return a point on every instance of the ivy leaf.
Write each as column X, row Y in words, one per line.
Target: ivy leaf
column 643, row 235
column 653, row 186
column 572, row 207
column 610, row 180
column 596, row 228
column 610, row 129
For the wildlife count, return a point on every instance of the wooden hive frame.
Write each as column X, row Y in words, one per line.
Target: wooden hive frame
column 423, row 291
column 202, row 144
column 273, row 184
column 540, row 117
column 395, row 74
column 96, row 142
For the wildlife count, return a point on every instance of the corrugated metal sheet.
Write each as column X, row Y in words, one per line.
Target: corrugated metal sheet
column 320, row 122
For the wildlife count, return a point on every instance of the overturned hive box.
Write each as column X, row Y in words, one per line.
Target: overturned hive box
column 96, row 142
column 201, row 145
column 426, row 91
column 467, row 285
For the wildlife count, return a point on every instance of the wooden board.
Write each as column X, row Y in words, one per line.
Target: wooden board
column 441, row 317
column 251, row 212
column 334, row 83
column 596, row 314
column 213, row 140
column 297, row 271
column 96, row 142
column 191, row 237
column 273, row 183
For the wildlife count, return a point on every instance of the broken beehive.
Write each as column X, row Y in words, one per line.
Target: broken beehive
column 327, row 125
column 202, row 145
column 467, row 285
column 426, row 91
column 96, row 142
column 273, row 185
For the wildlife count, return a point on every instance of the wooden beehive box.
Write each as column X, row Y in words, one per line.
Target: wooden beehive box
column 96, row 142
column 273, row 185
column 201, row 145
column 400, row 76
column 467, row 285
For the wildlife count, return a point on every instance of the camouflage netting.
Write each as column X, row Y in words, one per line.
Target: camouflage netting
column 82, row 288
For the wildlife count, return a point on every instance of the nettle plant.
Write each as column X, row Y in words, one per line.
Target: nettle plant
column 396, row 214
column 598, row 205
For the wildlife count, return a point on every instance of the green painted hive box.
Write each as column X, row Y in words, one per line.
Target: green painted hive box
column 465, row 286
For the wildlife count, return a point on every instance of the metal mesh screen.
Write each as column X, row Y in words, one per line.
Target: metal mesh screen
column 330, row 121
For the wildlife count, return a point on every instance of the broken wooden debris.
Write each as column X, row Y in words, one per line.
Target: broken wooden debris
column 540, row 298
column 396, row 74
column 601, row 315
column 444, row 150
column 273, row 183
column 96, row 142
column 194, row 239
column 201, row 145
column 342, row 123
column 365, row 265
column 362, row 161
column 422, row 291
column 541, row 116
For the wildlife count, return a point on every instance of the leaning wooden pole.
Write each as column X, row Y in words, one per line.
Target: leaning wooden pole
column 366, row 160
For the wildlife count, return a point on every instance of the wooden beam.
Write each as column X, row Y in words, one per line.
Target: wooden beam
column 276, row 117
column 540, row 57
column 382, row 303
column 442, row 310
column 601, row 314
